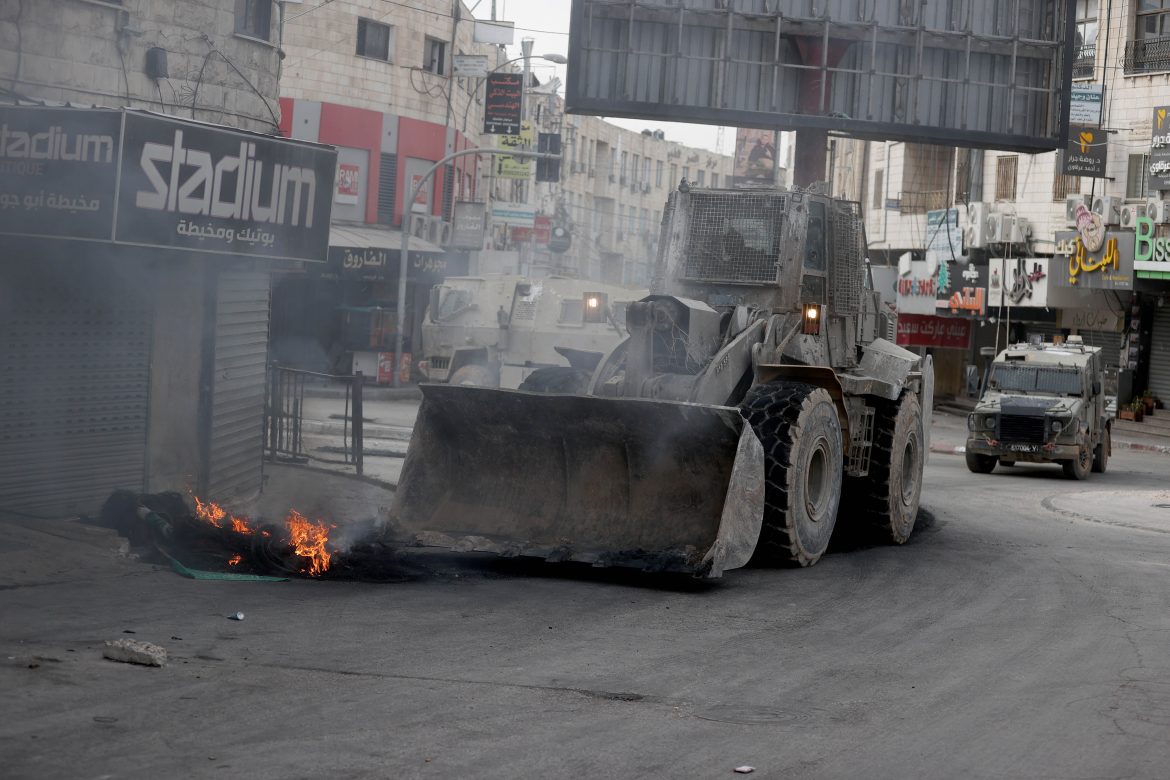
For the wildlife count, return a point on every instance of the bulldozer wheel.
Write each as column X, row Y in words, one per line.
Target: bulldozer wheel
column 556, row 379
column 798, row 426
column 889, row 496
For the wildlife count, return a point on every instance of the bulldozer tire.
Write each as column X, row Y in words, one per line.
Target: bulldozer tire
column 1102, row 452
column 889, row 495
column 980, row 464
column 556, row 379
column 1079, row 468
column 798, row 426
column 473, row 375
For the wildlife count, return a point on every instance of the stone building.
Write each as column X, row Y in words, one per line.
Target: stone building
column 145, row 205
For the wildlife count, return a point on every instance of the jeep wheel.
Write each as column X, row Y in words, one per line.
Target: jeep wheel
column 1078, row 468
column 1102, row 452
column 980, row 464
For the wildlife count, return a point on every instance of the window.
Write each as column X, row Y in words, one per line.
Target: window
column 702, row 177
column 673, row 175
column 1063, row 186
column 645, row 182
column 625, row 162
column 373, row 40
column 659, row 171
column 435, row 56
column 714, row 179
column 1086, row 51
column 1150, row 49
column 1005, row 177
column 254, row 18
column 1135, row 178
column 634, row 168
column 687, row 172
column 879, row 178
column 645, row 220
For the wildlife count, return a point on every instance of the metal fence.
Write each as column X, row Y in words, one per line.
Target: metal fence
column 284, row 409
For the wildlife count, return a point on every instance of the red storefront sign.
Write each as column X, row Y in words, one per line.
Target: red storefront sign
column 925, row 330
column 539, row 234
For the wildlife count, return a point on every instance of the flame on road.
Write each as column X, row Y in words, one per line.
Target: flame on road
column 308, row 538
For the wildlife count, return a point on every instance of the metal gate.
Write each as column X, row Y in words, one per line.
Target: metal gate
column 1110, row 344
column 1160, row 354
column 74, row 388
column 240, row 360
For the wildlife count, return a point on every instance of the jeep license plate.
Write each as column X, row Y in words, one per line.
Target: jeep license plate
column 1023, row 448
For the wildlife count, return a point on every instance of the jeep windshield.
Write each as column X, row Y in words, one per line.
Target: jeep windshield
column 1043, row 380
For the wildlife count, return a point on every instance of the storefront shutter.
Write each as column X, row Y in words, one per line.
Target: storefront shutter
column 238, row 381
column 1160, row 354
column 74, row 389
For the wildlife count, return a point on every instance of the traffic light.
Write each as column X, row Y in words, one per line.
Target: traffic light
column 548, row 170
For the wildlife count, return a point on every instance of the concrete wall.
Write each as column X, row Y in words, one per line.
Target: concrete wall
column 173, row 453
column 94, row 53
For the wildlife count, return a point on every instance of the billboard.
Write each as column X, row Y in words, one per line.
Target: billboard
column 1105, row 267
column 992, row 74
column 502, row 100
column 755, row 156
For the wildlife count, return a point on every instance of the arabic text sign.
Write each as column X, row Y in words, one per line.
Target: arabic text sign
column 210, row 189
column 468, row 223
column 515, row 167
column 1086, row 152
column 944, row 242
column 1021, row 281
column 501, row 108
column 917, row 290
column 519, row 214
column 470, row 66
column 1159, row 173
column 924, row 330
column 58, row 169
column 1109, row 268
column 1085, row 104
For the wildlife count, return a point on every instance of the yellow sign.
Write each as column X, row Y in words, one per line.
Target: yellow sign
column 1086, row 141
column 512, row 167
column 1080, row 262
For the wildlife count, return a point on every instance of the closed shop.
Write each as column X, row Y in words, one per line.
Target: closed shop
column 74, row 380
column 1159, row 362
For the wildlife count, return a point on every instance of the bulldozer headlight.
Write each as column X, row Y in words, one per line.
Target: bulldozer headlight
column 596, row 305
column 812, row 319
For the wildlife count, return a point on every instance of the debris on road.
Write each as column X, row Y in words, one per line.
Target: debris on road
column 237, row 616
column 133, row 651
column 744, row 770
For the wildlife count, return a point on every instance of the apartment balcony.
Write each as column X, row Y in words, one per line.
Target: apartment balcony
column 1085, row 63
column 1147, row 55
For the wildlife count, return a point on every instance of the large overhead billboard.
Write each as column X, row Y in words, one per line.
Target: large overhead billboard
column 983, row 73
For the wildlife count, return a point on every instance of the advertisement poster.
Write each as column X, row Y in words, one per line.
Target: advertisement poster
column 347, row 184
column 501, row 108
column 755, row 155
column 1159, row 178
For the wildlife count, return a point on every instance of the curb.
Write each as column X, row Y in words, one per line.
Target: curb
column 369, row 393
column 369, row 431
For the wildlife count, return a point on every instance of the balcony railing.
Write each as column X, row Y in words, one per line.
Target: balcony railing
column 1083, row 65
column 1147, row 55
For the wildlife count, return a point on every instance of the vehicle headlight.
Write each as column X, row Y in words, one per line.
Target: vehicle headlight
column 989, row 422
column 1057, row 425
column 972, row 422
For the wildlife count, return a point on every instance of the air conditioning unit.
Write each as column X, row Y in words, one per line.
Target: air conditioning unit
column 975, row 234
column 1109, row 208
column 1006, row 229
column 420, row 226
column 1070, row 207
column 1158, row 210
column 1130, row 213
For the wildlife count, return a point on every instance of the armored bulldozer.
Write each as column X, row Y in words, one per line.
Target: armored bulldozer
column 1044, row 403
column 751, row 408
column 502, row 330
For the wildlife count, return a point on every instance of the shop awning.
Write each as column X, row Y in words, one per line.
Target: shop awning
column 353, row 237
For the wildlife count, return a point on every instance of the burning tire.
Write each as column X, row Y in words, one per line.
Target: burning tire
column 556, row 379
column 888, row 497
column 798, row 426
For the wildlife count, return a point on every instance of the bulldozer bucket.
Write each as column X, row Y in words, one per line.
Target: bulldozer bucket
column 656, row 485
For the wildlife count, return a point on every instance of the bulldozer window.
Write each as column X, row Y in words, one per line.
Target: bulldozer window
column 814, row 243
column 572, row 311
column 450, row 301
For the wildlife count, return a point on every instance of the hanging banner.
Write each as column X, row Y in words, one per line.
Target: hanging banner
column 755, row 155
column 1159, row 178
column 501, row 107
column 1086, row 152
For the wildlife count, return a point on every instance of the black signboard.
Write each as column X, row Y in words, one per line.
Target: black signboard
column 58, row 169
column 1159, row 178
column 211, row 189
column 148, row 180
column 1086, row 152
column 501, row 108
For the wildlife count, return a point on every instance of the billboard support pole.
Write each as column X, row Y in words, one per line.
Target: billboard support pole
column 404, row 258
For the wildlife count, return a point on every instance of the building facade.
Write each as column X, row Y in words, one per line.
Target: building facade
column 140, row 234
column 992, row 239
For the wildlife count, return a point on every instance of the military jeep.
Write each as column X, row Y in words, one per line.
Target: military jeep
column 1043, row 404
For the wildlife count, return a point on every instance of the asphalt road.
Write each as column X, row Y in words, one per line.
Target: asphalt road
column 1023, row 632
